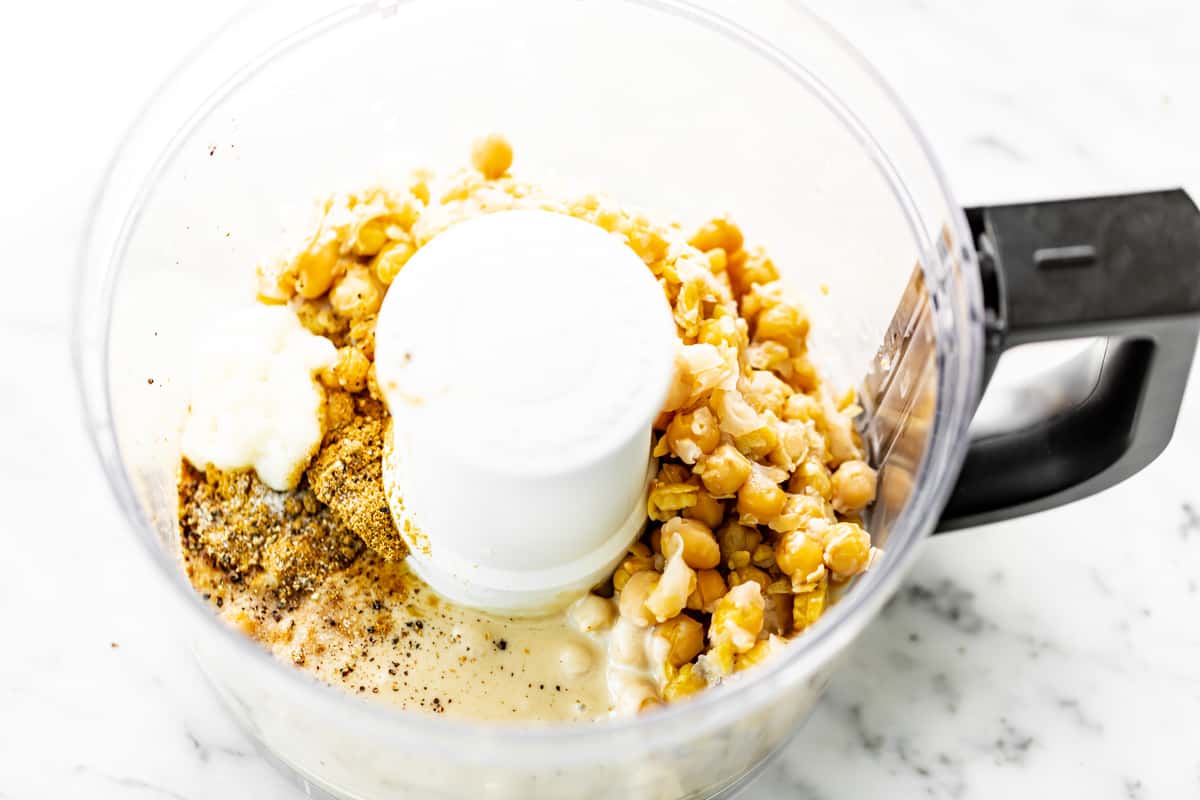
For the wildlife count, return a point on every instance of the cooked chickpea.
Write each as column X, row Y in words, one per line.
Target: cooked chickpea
column 708, row 510
column 808, row 604
column 804, row 408
column 639, row 559
column 750, row 573
column 720, row 332
column 710, row 587
column 770, row 356
column 724, row 471
column 752, row 268
column 316, row 268
column 684, row 637
column 804, row 376
column 760, row 652
column 758, row 444
column 717, row 260
column 738, row 617
column 700, row 548
column 356, row 294
column 670, row 594
column 766, row 392
column 784, row 323
column 853, row 486
column 370, row 237
column 693, row 434
column 759, row 499
column 718, row 232
column 800, row 511
column 812, row 478
column 492, row 155
column 847, row 549
column 632, row 601
column 665, row 499
column 763, row 556
column 350, row 370
column 686, row 682
column 736, row 538
column 591, row 613
column 390, row 260
column 799, row 555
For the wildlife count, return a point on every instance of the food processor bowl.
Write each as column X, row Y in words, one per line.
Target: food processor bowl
column 687, row 109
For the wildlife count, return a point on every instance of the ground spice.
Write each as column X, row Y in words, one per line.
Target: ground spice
column 277, row 543
column 347, row 475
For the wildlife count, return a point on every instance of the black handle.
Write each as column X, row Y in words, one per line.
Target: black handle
column 1126, row 268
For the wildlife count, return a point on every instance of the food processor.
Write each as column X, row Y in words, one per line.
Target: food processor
column 685, row 109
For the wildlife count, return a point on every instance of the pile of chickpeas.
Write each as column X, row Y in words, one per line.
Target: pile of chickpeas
column 754, row 514
column 755, row 511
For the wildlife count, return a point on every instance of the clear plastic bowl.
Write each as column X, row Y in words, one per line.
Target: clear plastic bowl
column 684, row 108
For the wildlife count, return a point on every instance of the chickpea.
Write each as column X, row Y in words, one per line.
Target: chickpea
column 632, row 602
column 750, row 573
column 591, row 613
column 763, row 556
column 765, row 392
column 759, row 499
column 847, row 549
column 720, row 332
column 799, row 555
column 684, row 637
column 809, row 603
column 800, row 511
column 362, row 335
column 350, row 370
column 724, row 471
column 316, row 268
column 390, row 260
column 718, row 232
column 804, row 374
column 710, row 587
column 700, row 548
column 758, row 443
column 356, row 294
column 676, row 583
column 693, row 434
column 667, row 498
column 812, row 478
column 736, row 538
column 783, row 323
column 717, row 260
column 686, row 682
column 640, row 559
column 853, row 486
column 738, row 617
column 370, row 237
column 763, row 649
column 708, row 510
column 492, row 155
column 753, row 268
column 804, row 408
column 770, row 356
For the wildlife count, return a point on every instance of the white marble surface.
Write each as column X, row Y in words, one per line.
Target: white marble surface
column 1057, row 655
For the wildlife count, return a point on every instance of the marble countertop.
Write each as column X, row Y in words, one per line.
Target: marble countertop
column 1056, row 655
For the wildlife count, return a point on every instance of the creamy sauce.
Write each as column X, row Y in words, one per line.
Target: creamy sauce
column 375, row 629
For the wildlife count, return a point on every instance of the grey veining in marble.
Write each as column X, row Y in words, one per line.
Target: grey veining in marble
column 1054, row 656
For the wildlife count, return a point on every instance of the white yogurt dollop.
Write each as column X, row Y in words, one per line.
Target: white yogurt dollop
column 254, row 400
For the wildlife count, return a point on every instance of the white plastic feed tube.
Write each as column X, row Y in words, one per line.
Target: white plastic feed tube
column 523, row 356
